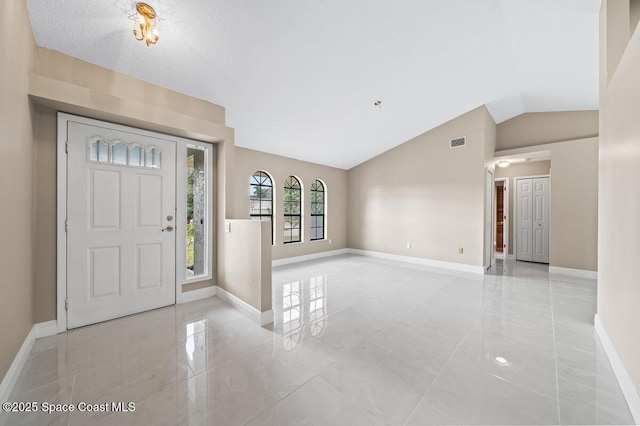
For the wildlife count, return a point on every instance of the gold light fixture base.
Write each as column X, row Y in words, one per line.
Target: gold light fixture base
column 146, row 10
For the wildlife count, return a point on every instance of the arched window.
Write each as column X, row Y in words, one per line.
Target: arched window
column 317, row 210
column 292, row 210
column 261, row 198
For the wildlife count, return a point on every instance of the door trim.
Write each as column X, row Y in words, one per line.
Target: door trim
column 61, row 198
column 181, row 206
column 515, row 210
column 489, row 235
column 505, row 207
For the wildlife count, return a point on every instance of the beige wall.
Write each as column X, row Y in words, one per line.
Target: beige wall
column 248, row 161
column 619, row 207
column 63, row 68
column 424, row 193
column 546, row 127
column 614, row 36
column 573, row 215
column 45, row 124
column 573, row 240
column 534, row 168
column 16, row 180
column 634, row 15
column 249, row 276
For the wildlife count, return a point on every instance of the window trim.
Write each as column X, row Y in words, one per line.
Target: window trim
column 323, row 214
column 273, row 203
column 294, row 215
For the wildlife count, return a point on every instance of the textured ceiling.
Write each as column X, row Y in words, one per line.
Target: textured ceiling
column 299, row 78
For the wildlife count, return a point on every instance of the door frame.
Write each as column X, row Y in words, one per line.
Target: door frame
column 490, row 235
column 505, row 207
column 515, row 209
column 180, row 215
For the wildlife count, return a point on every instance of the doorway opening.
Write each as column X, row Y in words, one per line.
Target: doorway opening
column 501, row 218
column 509, row 170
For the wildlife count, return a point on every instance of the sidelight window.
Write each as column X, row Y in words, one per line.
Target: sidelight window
column 196, row 212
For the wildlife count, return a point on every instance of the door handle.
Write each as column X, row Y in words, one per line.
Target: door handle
column 168, row 228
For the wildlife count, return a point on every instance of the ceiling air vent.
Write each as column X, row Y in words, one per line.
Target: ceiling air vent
column 458, row 142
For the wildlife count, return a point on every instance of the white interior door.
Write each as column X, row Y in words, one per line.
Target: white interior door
column 532, row 219
column 540, row 250
column 121, row 206
column 524, row 222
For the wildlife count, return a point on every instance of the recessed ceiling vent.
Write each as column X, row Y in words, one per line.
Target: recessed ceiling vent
column 458, row 142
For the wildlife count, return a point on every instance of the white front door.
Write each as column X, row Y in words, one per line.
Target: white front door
column 532, row 219
column 121, row 206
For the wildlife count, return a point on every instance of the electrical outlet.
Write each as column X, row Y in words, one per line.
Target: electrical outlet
column 329, row 240
column 227, row 227
column 460, row 250
column 408, row 245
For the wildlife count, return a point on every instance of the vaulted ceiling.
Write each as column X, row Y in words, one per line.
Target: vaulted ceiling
column 300, row 78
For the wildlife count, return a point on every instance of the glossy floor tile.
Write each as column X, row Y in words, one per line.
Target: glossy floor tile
column 356, row 340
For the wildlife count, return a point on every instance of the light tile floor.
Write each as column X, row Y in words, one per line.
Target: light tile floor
column 356, row 341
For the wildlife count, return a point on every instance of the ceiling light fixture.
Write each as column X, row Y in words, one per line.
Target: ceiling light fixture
column 503, row 163
column 145, row 24
column 501, row 360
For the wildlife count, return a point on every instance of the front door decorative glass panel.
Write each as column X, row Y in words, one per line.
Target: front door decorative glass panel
column 196, row 211
column 120, row 153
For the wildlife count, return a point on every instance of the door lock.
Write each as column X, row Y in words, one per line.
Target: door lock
column 169, row 218
column 168, row 229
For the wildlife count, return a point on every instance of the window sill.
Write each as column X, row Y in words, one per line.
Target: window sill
column 197, row 279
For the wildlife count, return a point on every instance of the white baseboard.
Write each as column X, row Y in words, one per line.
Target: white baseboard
column 46, row 329
column 11, row 378
column 201, row 293
column 580, row 273
column 262, row 318
column 307, row 257
column 461, row 267
column 629, row 391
